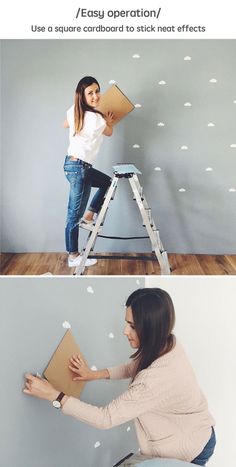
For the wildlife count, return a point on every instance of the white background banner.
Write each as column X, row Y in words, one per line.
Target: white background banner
column 123, row 19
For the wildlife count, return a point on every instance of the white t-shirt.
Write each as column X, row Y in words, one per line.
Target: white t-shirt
column 85, row 144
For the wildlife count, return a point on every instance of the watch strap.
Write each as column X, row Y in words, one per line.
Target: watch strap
column 57, row 402
column 60, row 396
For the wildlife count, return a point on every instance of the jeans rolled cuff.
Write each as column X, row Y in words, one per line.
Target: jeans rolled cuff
column 90, row 208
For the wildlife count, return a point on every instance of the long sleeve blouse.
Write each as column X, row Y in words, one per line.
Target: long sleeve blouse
column 166, row 403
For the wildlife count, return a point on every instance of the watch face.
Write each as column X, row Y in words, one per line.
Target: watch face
column 56, row 404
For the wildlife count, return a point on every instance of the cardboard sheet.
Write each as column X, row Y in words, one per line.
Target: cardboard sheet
column 114, row 100
column 57, row 371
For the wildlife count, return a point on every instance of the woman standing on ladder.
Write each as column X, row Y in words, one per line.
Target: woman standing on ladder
column 86, row 129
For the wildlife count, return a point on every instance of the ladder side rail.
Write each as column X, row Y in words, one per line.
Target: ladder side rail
column 143, row 199
column 94, row 233
column 144, row 215
column 143, row 212
column 154, row 236
column 147, row 208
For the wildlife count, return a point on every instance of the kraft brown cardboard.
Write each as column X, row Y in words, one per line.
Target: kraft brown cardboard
column 57, row 371
column 114, row 100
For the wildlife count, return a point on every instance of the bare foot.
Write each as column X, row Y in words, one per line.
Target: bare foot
column 88, row 216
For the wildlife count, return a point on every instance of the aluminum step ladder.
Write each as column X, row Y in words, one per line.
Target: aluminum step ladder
column 130, row 172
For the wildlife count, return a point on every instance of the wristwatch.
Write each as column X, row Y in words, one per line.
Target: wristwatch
column 57, row 402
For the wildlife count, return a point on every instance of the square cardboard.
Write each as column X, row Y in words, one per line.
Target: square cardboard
column 57, row 371
column 114, row 100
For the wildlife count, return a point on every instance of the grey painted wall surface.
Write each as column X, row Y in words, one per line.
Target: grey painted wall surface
column 32, row 433
column 38, row 82
column 0, row 146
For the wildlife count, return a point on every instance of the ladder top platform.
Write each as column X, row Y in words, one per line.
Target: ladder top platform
column 125, row 169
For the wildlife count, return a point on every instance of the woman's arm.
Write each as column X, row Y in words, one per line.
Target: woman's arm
column 125, row 371
column 108, row 130
column 66, row 124
column 109, row 117
column 138, row 399
column 83, row 372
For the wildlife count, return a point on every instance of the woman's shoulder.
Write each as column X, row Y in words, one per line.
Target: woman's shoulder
column 175, row 353
column 163, row 366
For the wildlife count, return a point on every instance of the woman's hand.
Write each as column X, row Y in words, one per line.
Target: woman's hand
column 109, row 117
column 81, row 370
column 39, row 387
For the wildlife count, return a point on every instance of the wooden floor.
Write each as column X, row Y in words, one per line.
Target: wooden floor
column 56, row 264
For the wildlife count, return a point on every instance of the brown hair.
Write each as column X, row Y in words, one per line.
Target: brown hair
column 154, row 318
column 80, row 103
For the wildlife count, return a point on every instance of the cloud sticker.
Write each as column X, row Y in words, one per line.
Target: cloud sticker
column 66, row 325
column 138, row 106
column 158, row 169
column 160, row 124
column 187, row 58
column 182, row 190
column 136, row 146
column 184, row 148
column 136, row 56
column 162, row 82
column 97, row 444
column 112, row 81
column 90, row 289
column 187, row 104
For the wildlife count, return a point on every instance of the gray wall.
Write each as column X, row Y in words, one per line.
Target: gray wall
column 0, row 146
column 32, row 433
column 39, row 78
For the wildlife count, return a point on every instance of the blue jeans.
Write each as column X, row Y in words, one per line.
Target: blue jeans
column 142, row 460
column 82, row 177
column 207, row 452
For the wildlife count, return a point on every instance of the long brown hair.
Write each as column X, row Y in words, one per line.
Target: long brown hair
column 80, row 103
column 154, row 318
